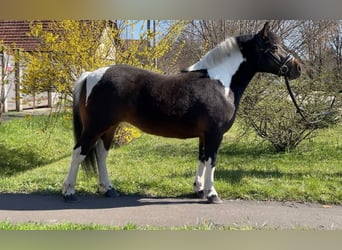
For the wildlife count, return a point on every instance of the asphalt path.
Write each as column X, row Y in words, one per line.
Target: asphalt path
column 168, row 212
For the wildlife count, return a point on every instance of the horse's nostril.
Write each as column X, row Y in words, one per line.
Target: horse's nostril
column 299, row 69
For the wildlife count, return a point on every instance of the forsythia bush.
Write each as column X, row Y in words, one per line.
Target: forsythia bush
column 70, row 47
column 124, row 134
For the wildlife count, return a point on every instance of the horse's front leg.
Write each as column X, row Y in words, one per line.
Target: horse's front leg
column 199, row 180
column 105, row 185
column 199, row 177
column 209, row 189
column 211, row 148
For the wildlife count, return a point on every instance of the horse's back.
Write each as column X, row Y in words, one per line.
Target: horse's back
column 170, row 93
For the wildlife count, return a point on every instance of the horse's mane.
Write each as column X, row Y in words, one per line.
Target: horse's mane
column 216, row 55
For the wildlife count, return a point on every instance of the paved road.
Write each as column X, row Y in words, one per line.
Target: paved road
column 166, row 212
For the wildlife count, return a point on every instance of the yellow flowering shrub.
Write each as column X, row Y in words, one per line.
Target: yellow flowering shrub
column 124, row 134
column 70, row 47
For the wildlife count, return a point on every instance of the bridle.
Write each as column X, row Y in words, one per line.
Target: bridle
column 283, row 71
column 264, row 49
column 283, row 68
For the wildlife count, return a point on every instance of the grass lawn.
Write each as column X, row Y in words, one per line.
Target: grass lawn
column 36, row 159
column 4, row 225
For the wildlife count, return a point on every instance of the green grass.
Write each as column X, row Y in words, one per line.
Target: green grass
column 34, row 159
column 5, row 225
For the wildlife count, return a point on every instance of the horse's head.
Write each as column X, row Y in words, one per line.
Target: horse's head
column 272, row 58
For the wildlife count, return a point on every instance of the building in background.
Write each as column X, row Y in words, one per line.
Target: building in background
column 14, row 36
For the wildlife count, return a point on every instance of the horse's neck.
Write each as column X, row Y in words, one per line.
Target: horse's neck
column 240, row 82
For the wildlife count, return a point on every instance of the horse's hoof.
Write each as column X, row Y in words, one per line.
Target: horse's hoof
column 70, row 198
column 200, row 194
column 214, row 199
column 111, row 193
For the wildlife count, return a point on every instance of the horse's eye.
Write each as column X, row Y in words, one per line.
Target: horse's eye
column 274, row 48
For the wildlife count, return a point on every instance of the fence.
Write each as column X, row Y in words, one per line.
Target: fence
column 45, row 99
column 14, row 100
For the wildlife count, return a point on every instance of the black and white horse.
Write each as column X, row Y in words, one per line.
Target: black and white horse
column 201, row 101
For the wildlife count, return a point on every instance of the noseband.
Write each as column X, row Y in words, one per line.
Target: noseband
column 283, row 68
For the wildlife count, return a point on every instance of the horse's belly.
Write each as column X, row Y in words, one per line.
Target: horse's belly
column 172, row 129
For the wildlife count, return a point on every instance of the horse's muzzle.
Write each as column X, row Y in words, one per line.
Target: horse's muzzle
column 294, row 71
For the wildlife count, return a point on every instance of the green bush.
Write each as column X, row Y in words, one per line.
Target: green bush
column 268, row 109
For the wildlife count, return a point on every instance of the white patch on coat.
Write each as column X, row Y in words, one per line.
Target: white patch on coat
column 226, row 92
column 222, row 62
column 102, row 153
column 209, row 179
column 199, row 178
column 78, row 86
column 70, row 181
column 93, row 78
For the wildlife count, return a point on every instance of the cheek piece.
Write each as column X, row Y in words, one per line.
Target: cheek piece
column 283, row 69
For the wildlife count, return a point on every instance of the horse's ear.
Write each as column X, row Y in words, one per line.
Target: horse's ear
column 265, row 30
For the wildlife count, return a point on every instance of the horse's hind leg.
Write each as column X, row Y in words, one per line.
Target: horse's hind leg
column 102, row 148
column 81, row 149
column 68, row 189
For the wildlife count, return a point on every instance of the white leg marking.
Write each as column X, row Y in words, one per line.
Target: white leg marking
column 209, row 179
column 70, row 180
column 199, row 178
column 102, row 153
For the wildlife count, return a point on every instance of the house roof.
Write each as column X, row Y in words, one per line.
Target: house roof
column 15, row 34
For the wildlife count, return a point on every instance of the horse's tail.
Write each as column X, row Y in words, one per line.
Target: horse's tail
column 89, row 163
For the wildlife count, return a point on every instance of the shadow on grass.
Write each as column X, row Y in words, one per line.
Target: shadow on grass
column 31, row 142
column 235, row 176
column 13, row 161
column 160, row 146
column 246, row 150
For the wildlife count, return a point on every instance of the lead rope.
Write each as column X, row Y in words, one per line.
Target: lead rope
column 299, row 110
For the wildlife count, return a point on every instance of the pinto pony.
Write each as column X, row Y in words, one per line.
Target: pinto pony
column 201, row 101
